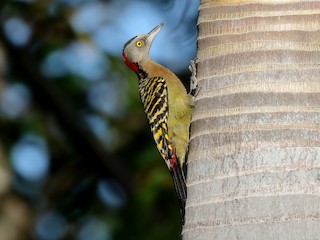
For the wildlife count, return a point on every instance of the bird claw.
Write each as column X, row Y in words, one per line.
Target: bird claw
column 194, row 87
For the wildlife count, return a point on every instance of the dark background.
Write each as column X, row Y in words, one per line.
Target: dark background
column 77, row 160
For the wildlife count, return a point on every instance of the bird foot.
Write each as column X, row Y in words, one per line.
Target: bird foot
column 194, row 87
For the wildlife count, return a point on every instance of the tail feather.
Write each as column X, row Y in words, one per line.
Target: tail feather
column 180, row 187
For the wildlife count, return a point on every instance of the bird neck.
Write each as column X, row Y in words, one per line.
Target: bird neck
column 145, row 68
column 134, row 66
column 148, row 68
column 137, row 67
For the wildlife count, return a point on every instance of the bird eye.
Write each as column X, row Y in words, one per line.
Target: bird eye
column 139, row 43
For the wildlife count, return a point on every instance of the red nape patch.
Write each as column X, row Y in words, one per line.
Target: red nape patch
column 131, row 65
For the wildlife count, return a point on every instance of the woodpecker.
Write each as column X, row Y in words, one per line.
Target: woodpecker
column 167, row 105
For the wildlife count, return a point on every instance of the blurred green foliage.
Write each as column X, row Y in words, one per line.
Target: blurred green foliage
column 70, row 187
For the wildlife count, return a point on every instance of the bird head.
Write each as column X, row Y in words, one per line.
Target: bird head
column 137, row 48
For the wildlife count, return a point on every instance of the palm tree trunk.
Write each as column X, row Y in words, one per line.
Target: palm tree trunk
column 254, row 159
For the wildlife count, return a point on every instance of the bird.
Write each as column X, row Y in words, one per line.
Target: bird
column 167, row 105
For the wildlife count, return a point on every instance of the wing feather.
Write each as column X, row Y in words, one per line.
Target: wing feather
column 154, row 96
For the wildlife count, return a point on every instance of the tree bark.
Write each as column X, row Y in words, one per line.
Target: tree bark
column 254, row 159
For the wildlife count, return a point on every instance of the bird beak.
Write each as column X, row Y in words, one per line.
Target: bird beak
column 154, row 32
